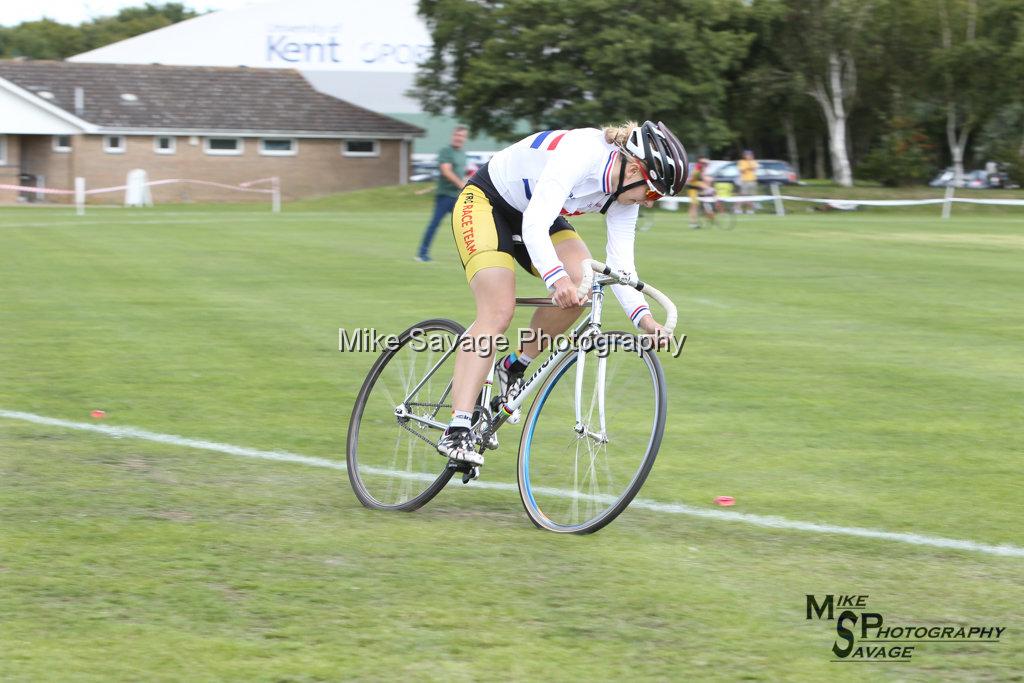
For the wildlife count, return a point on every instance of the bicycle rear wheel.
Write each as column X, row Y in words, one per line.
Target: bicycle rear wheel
column 727, row 216
column 576, row 478
column 706, row 215
column 392, row 457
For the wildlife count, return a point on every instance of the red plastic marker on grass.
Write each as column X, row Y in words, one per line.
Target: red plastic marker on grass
column 725, row 500
column 98, row 414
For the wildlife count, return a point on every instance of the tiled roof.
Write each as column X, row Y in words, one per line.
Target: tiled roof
column 197, row 98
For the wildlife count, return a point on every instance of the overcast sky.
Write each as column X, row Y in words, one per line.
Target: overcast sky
column 76, row 11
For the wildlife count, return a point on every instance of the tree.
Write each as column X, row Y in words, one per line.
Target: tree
column 133, row 21
column 48, row 39
column 561, row 64
column 768, row 109
column 43, row 39
column 965, row 69
column 819, row 45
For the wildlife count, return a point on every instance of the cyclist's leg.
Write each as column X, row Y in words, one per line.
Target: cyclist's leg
column 691, row 192
column 484, row 240
column 550, row 322
column 494, row 289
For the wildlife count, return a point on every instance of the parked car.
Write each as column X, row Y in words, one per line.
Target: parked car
column 425, row 167
column 769, row 172
column 978, row 179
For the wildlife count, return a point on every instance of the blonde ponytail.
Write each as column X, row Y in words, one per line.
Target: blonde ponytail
column 616, row 135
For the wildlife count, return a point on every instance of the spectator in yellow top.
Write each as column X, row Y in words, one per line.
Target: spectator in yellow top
column 748, row 179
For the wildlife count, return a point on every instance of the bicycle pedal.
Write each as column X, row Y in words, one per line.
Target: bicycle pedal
column 470, row 474
column 492, row 442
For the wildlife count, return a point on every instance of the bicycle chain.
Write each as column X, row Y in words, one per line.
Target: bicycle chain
column 415, row 433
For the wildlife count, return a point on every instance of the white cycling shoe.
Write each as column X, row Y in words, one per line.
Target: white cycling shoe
column 458, row 445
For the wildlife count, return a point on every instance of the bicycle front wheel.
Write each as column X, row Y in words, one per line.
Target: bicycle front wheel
column 400, row 412
column 576, row 477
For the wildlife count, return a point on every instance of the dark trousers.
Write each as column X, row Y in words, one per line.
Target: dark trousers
column 443, row 205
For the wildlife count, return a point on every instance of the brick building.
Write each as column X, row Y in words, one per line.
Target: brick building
column 61, row 120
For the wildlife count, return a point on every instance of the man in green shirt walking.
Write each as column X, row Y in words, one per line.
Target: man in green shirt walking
column 452, row 163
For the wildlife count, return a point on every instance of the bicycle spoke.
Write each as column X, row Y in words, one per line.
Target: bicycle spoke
column 575, row 486
column 393, row 461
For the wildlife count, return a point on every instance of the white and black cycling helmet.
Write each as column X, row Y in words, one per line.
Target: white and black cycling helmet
column 662, row 160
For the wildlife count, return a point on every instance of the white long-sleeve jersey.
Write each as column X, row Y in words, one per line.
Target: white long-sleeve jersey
column 568, row 172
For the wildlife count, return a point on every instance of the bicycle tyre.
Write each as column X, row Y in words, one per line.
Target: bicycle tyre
column 526, row 479
column 359, row 486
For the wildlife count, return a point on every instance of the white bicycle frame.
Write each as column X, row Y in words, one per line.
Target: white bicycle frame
column 596, row 276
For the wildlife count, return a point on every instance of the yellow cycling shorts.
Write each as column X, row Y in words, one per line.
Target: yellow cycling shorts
column 488, row 232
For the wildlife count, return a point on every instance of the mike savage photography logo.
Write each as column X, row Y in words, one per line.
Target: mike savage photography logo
column 863, row 636
column 369, row 340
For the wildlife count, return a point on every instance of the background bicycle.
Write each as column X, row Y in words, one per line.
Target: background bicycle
column 716, row 208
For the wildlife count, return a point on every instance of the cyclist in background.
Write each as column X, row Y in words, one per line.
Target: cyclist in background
column 514, row 209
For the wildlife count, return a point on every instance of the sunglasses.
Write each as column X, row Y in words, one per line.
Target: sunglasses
column 652, row 194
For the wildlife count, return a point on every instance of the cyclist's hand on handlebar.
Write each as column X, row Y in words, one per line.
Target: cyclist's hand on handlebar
column 564, row 293
column 652, row 327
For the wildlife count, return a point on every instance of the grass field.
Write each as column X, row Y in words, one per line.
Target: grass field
column 859, row 370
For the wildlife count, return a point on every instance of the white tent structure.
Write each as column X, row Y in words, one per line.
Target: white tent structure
column 363, row 52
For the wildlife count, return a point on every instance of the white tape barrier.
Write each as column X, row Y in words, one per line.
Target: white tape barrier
column 37, row 190
column 845, row 203
column 274, row 190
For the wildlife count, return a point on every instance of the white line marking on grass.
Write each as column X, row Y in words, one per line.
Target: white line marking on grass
column 217, row 219
column 133, row 433
column 122, row 221
column 766, row 521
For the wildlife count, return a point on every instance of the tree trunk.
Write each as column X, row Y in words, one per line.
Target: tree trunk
column 957, row 141
column 833, row 105
column 791, row 148
column 955, row 150
column 819, row 158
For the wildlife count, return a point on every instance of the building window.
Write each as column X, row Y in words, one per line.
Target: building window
column 279, row 147
column 61, row 143
column 3, row 150
column 223, row 146
column 113, row 144
column 164, row 144
column 361, row 148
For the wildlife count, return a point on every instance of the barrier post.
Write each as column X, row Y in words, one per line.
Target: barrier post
column 780, row 209
column 947, row 206
column 275, row 194
column 79, row 196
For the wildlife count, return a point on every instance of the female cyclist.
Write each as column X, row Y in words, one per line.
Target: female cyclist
column 513, row 210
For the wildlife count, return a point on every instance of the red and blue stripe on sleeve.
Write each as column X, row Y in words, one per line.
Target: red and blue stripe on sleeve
column 638, row 313
column 553, row 275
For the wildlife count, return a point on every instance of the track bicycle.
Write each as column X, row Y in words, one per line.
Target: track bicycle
column 591, row 434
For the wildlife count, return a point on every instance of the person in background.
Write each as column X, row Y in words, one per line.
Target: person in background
column 696, row 185
column 452, row 164
column 748, row 179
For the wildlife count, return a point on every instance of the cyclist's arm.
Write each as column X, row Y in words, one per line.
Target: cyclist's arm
column 448, row 172
column 621, row 221
column 568, row 165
